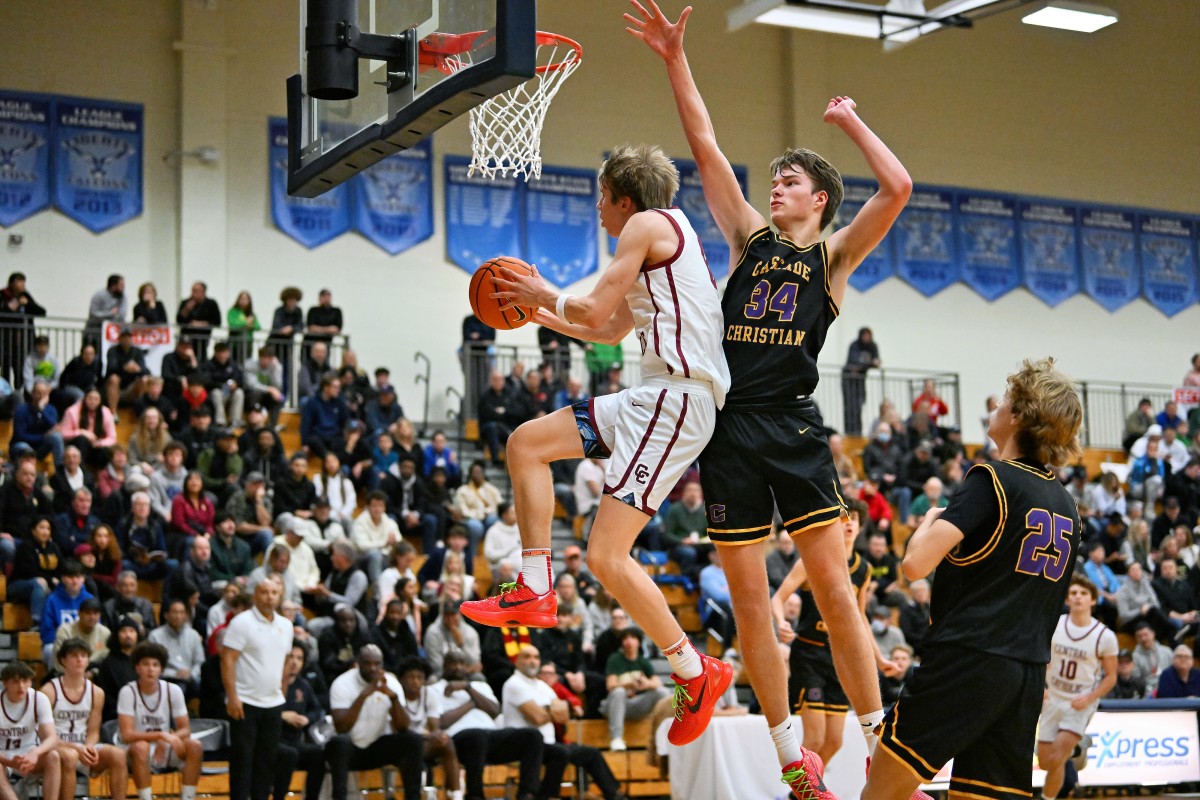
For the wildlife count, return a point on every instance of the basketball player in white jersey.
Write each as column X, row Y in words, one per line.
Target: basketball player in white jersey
column 658, row 284
column 28, row 743
column 154, row 724
column 78, row 705
column 1081, row 647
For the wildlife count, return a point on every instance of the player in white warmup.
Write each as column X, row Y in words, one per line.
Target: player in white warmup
column 1082, row 646
column 28, row 743
column 77, row 705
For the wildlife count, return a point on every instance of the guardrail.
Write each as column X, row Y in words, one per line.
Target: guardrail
column 1106, row 404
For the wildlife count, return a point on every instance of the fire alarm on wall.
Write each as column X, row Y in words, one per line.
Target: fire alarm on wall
column 15, row 240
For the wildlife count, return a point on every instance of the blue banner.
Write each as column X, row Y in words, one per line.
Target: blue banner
column 925, row 246
column 880, row 263
column 691, row 201
column 987, row 240
column 98, row 161
column 25, row 121
column 1167, row 244
column 1050, row 249
column 393, row 199
column 483, row 216
column 561, row 224
column 311, row 221
column 1108, row 247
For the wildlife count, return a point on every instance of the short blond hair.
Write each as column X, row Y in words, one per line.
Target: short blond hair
column 1048, row 411
column 641, row 172
column 824, row 176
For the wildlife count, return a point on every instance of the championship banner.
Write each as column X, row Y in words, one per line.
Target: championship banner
column 155, row 341
column 98, row 161
column 25, row 121
column 690, row 200
column 1108, row 247
column 1167, row 245
column 1049, row 249
column 311, row 221
column 561, row 224
column 393, row 199
column 880, row 263
column 483, row 215
column 925, row 246
column 987, row 240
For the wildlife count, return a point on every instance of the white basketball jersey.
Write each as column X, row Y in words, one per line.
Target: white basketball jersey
column 151, row 712
column 1075, row 655
column 71, row 715
column 20, row 721
column 677, row 314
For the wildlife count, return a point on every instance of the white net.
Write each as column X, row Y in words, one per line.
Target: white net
column 506, row 130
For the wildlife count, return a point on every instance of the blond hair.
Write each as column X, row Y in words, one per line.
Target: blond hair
column 1048, row 411
column 824, row 176
column 641, row 172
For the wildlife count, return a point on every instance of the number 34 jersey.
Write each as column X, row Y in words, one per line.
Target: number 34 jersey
column 1075, row 657
column 1001, row 589
column 777, row 308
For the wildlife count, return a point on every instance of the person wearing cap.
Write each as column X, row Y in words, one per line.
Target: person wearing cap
column 302, row 566
column 383, row 411
column 253, row 511
column 87, row 628
column 264, row 382
column 117, row 670
column 198, row 436
column 449, row 634
column 223, row 378
column 1182, row 679
column 126, row 373
column 221, row 467
column 1147, row 476
column 232, row 559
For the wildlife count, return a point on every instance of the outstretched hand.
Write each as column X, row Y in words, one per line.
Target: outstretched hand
column 517, row 289
column 839, row 110
column 660, row 34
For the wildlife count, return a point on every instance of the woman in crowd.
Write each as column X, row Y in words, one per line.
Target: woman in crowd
column 191, row 511
column 407, row 445
column 89, row 426
column 569, row 602
column 242, row 324
column 35, row 570
column 149, row 311
column 454, row 565
column 332, row 484
column 104, row 560
column 1108, row 496
column 148, row 441
column 1136, row 546
column 111, row 479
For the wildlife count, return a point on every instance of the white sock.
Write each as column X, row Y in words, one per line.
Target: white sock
column 144, row 794
column 869, row 723
column 684, row 659
column 786, row 746
column 536, row 572
column 187, row 793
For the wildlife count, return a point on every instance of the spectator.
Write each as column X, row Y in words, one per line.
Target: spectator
column 83, row 372
column 355, row 453
column 502, row 542
column 393, row 636
column 221, row 467
column 844, row 464
column 887, row 636
column 197, row 317
column 1169, row 416
column 117, row 668
column 263, row 454
column 126, row 373
column 22, row 502
column 223, row 379
column 324, row 320
column 1182, row 679
column 168, row 407
column 36, row 568
column 334, row 486
column 930, row 401
column 345, row 583
column 301, row 708
column 585, row 583
column 862, row 356
column 685, row 525
column 126, row 603
column 1153, row 434
column 1136, row 603
column 931, row 496
column 149, row 554
column 528, row 702
column 339, row 642
column 89, row 426
column 177, row 366
column 1137, row 544
column 1150, row 657
column 321, row 532
column 1108, row 584
column 302, row 570
column 1131, row 684
column 107, row 305
column 885, row 571
column 264, row 382
column 1173, row 449
column 1147, row 477
column 1184, row 488
column 449, row 634
column 714, row 591
column 253, row 512
column 323, row 419
column 781, row 559
column 154, row 723
column 148, row 441
column 633, row 687
column 35, row 424
column 570, row 394
column 275, row 565
column 62, row 604
column 1112, row 537
column 891, row 684
column 294, row 492
column 198, row 436
column 185, row 650
column 883, row 456
column 494, row 416
column 195, row 573
column 39, row 364
column 385, row 460
column 166, row 482
column 1107, row 496
column 424, row 709
column 914, row 614
column 242, row 323
column 287, row 321
column 192, row 513
column 103, row 560
column 439, row 454
column 408, row 446
column 74, row 526
column 403, row 557
column 1137, row 423
column 478, row 500
column 375, row 534
column 383, row 411
column 313, row 367
column 231, row 556
column 149, row 310
column 1175, row 599
column 68, row 478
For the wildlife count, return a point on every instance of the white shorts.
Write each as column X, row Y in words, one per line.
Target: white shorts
column 1058, row 715
column 650, row 435
column 163, row 758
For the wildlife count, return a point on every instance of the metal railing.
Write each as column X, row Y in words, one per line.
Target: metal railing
column 67, row 337
column 1106, row 404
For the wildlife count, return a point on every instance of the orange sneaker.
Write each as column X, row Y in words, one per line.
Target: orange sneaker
column 805, row 778
column 516, row 604
column 695, row 699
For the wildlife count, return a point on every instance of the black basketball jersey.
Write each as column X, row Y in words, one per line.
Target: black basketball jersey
column 778, row 309
column 1001, row 590
column 810, row 629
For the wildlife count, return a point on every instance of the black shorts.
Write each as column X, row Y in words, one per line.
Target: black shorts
column 813, row 684
column 760, row 459
column 976, row 708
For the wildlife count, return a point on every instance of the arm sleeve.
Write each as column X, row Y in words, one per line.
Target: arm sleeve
column 974, row 509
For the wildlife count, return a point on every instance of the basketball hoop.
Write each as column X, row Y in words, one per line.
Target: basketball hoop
column 506, row 130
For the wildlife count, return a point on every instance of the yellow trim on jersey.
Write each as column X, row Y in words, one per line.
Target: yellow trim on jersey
column 913, row 753
column 854, row 564
column 812, row 642
column 1041, row 473
column 841, row 512
column 750, row 240
column 837, row 312
column 985, row 784
column 986, row 550
column 961, row 793
column 828, row 709
column 837, row 490
column 779, row 237
column 739, row 530
column 739, row 542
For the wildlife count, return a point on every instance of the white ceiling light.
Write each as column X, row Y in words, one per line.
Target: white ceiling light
column 896, row 23
column 1072, row 16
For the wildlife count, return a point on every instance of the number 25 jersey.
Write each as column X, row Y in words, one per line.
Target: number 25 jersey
column 777, row 308
column 1001, row 589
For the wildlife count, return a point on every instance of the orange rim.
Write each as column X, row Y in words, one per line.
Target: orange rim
column 438, row 49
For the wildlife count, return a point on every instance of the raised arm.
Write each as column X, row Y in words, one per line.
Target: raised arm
column 736, row 218
column 850, row 245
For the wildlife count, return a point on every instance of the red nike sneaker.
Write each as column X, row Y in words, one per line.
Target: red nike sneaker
column 695, row 699
column 806, row 778
column 516, row 604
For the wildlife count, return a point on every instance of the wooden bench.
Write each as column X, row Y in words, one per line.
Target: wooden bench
column 17, row 617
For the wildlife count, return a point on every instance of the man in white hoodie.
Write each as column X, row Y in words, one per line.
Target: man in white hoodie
column 374, row 534
column 502, row 542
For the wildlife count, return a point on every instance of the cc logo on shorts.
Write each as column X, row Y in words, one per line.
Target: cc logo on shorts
column 716, row 513
column 641, row 473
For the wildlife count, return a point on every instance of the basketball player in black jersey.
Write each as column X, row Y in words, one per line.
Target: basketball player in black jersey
column 785, row 289
column 1004, row 550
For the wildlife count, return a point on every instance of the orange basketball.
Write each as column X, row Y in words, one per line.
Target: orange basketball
column 486, row 307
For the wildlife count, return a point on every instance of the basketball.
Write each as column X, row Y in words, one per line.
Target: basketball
column 486, row 307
